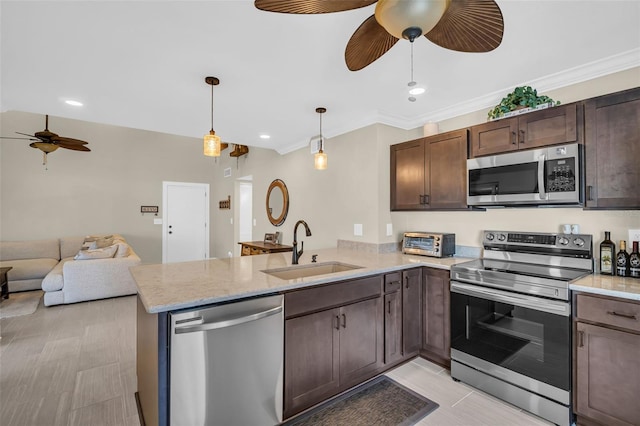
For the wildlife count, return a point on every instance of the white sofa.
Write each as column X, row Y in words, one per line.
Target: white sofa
column 50, row 265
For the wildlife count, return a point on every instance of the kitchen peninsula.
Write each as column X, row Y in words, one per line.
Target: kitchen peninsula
column 164, row 289
column 377, row 286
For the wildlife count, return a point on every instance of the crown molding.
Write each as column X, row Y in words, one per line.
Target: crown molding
column 589, row 71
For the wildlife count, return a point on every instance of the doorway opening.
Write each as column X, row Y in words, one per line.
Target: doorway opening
column 243, row 231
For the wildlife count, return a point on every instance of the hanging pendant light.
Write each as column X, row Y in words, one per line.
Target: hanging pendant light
column 320, row 159
column 211, row 140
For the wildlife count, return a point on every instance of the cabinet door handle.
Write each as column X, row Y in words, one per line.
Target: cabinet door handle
column 344, row 321
column 580, row 339
column 618, row 314
column 522, row 136
column 426, row 199
column 513, row 139
column 406, row 282
column 590, row 193
column 337, row 322
column 389, row 307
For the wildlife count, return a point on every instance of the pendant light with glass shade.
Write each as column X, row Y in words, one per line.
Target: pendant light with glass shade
column 320, row 159
column 211, row 140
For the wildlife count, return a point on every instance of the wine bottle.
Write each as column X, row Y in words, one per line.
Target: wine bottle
column 607, row 253
column 622, row 260
column 634, row 261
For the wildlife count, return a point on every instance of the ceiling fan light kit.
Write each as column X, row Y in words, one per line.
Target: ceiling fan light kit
column 409, row 19
column 460, row 25
column 47, row 141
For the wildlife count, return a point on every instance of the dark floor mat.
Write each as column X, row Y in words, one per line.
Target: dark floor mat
column 381, row 401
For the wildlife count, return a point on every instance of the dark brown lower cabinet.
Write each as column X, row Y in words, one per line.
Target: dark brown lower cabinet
column 402, row 320
column 392, row 327
column 411, row 307
column 607, row 361
column 329, row 351
column 436, row 339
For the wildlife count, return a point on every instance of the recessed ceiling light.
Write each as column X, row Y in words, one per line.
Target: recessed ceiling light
column 264, row 136
column 73, row 103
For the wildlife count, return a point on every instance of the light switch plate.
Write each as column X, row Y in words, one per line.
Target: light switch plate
column 389, row 229
column 357, row 229
column 634, row 235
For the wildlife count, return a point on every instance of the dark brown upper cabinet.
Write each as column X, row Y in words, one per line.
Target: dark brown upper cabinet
column 430, row 173
column 551, row 126
column 612, row 150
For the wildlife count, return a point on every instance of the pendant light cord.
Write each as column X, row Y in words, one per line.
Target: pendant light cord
column 212, row 107
column 411, row 61
column 321, row 140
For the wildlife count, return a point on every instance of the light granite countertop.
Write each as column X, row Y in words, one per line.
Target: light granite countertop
column 173, row 286
column 626, row 288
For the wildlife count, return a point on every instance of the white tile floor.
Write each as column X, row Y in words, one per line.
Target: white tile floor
column 75, row 365
column 459, row 404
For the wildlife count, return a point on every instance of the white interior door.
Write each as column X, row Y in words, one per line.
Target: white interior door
column 186, row 221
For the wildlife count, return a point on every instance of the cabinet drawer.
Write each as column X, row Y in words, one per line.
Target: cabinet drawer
column 329, row 296
column 392, row 282
column 615, row 312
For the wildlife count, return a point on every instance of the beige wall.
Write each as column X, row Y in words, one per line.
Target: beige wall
column 92, row 192
column 468, row 225
column 102, row 191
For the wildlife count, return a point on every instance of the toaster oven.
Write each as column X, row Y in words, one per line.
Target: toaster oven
column 429, row 244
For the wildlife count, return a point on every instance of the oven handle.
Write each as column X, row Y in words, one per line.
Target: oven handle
column 529, row 302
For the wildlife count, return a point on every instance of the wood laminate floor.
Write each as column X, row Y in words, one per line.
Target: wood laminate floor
column 75, row 365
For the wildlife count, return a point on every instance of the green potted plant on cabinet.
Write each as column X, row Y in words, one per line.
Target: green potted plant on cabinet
column 522, row 97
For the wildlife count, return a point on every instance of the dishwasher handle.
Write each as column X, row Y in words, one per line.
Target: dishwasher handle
column 229, row 322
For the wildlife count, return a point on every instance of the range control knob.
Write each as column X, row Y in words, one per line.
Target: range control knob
column 579, row 242
column 490, row 237
column 563, row 241
column 437, row 238
column 502, row 237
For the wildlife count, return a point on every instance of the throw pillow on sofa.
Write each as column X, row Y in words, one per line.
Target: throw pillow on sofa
column 101, row 253
column 123, row 248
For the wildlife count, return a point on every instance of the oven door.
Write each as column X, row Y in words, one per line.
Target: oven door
column 524, row 340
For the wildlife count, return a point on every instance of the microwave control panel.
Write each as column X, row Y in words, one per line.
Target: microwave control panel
column 561, row 175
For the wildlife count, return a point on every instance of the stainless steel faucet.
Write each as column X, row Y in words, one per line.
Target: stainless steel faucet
column 296, row 253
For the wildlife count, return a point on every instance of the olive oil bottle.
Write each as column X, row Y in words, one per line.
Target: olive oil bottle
column 607, row 254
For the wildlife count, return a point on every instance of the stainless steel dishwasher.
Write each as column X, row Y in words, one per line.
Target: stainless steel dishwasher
column 226, row 364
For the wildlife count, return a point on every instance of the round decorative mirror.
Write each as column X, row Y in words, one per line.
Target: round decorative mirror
column 277, row 202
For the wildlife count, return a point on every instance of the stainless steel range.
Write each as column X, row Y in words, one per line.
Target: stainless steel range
column 511, row 319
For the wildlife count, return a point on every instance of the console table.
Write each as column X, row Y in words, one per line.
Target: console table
column 251, row 248
column 4, row 282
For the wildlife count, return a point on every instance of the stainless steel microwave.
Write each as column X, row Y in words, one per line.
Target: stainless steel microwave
column 544, row 176
column 429, row 244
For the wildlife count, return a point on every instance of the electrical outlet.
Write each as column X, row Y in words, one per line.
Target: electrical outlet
column 389, row 229
column 357, row 229
column 634, row 235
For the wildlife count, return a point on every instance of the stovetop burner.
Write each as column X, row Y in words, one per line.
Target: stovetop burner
column 529, row 263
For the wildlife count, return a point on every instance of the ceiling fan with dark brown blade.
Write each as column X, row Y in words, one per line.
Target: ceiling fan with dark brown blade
column 47, row 141
column 460, row 25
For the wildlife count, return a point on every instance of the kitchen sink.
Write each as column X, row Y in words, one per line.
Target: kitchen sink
column 302, row 271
